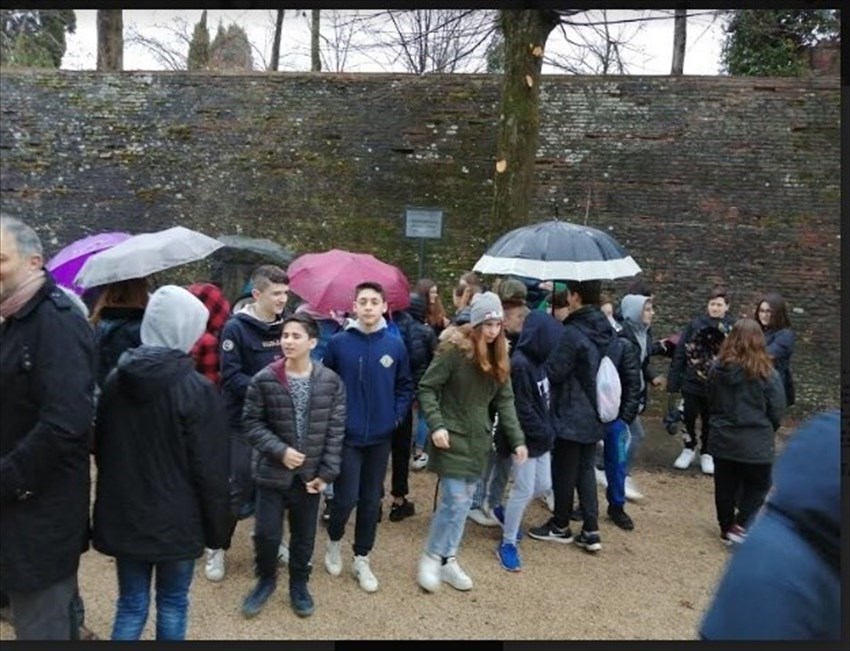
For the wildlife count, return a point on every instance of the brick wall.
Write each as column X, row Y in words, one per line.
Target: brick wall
column 701, row 179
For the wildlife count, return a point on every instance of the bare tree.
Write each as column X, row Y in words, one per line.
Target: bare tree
column 338, row 39
column 597, row 48
column 274, row 61
column 680, row 25
column 315, row 31
column 433, row 40
column 171, row 50
column 110, row 40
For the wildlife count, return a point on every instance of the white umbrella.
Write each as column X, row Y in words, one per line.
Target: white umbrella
column 145, row 254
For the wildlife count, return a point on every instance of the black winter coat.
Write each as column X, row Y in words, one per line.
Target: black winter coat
column 745, row 413
column 682, row 376
column 162, row 449
column 118, row 329
column 571, row 368
column 629, row 334
column 268, row 422
column 46, row 383
column 420, row 341
column 780, row 346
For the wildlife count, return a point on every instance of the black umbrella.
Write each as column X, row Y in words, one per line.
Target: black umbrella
column 556, row 250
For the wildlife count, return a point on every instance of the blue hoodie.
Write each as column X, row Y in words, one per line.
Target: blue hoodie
column 539, row 335
column 378, row 386
column 784, row 582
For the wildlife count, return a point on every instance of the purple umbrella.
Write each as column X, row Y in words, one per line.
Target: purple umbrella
column 67, row 263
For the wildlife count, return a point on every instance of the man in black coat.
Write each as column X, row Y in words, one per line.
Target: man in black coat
column 46, row 380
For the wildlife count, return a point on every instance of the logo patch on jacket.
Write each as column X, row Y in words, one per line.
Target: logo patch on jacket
column 227, row 345
column 386, row 361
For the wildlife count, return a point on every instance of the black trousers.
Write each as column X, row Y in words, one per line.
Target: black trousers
column 739, row 486
column 303, row 510
column 402, row 438
column 696, row 406
column 572, row 469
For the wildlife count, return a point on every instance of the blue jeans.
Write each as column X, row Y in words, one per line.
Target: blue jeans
column 446, row 530
column 637, row 435
column 173, row 579
column 615, row 456
column 490, row 489
column 421, row 431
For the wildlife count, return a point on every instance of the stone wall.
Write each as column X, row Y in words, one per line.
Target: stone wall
column 703, row 180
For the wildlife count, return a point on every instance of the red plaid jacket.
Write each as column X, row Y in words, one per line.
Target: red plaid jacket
column 205, row 351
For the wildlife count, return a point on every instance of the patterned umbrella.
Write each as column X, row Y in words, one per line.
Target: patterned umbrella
column 65, row 264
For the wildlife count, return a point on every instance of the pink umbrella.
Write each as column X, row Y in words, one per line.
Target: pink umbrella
column 67, row 263
column 327, row 280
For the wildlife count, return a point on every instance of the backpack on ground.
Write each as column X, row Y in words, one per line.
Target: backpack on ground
column 609, row 389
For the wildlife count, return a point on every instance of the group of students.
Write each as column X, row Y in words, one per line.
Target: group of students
column 204, row 418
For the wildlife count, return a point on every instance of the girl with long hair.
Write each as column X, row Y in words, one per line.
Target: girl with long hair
column 435, row 313
column 746, row 402
column 471, row 370
column 772, row 315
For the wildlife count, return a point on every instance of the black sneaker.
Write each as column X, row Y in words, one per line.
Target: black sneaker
column 620, row 518
column 589, row 541
column 399, row 512
column 551, row 532
column 257, row 598
column 577, row 515
column 300, row 599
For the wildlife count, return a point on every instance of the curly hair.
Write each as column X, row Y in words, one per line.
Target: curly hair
column 745, row 346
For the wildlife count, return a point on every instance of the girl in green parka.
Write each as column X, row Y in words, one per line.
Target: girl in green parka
column 471, row 370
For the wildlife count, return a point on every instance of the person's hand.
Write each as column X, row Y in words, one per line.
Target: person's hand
column 440, row 438
column 659, row 381
column 520, row 454
column 315, row 485
column 292, row 458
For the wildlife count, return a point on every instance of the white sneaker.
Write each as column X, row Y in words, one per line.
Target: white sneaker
column 549, row 500
column 706, row 463
column 484, row 519
column 283, row 554
column 428, row 574
column 419, row 461
column 363, row 574
column 333, row 558
column 601, row 479
column 452, row 574
column 632, row 493
column 214, row 566
column 685, row 459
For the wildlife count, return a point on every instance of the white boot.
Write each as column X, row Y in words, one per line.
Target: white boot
column 706, row 462
column 632, row 492
column 428, row 574
column 333, row 557
column 452, row 574
column 364, row 575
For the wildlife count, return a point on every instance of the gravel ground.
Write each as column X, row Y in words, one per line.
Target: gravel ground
column 651, row 583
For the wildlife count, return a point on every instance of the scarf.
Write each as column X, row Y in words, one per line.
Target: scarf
column 22, row 294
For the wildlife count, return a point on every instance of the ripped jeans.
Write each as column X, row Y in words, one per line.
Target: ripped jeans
column 448, row 522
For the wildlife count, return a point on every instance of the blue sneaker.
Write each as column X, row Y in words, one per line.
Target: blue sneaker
column 499, row 514
column 509, row 557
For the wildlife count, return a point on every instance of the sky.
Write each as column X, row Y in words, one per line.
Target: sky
column 650, row 43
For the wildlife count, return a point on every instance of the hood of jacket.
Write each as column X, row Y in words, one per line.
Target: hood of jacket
column 248, row 316
column 354, row 324
column 173, row 319
column 631, row 308
column 215, row 302
column 807, row 481
column 146, row 371
column 732, row 374
column 594, row 324
column 417, row 308
column 539, row 336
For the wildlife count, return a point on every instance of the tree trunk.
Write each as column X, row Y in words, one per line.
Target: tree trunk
column 679, row 40
column 315, row 58
column 525, row 33
column 110, row 40
column 278, row 30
